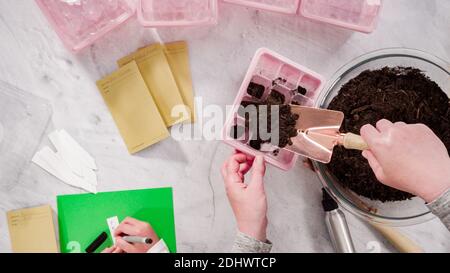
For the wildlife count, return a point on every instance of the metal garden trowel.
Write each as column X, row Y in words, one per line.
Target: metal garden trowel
column 318, row 134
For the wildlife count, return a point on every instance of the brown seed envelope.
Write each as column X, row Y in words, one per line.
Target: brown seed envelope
column 32, row 230
column 177, row 54
column 158, row 76
column 133, row 108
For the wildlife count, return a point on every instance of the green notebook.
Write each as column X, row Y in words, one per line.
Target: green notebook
column 83, row 217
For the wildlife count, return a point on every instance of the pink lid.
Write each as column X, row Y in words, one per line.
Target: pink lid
column 79, row 23
column 283, row 6
column 166, row 13
column 359, row 15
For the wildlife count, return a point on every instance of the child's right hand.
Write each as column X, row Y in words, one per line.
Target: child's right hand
column 408, row 157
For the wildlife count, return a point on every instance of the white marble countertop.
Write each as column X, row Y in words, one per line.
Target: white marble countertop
column 33, row 59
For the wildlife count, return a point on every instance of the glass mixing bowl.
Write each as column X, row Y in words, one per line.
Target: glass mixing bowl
column 400, row 213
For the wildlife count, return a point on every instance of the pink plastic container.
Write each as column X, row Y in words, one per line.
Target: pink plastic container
column 282, row 6
column 79, row 23
column 359, row 15
column 266, row 67
column 168, row 13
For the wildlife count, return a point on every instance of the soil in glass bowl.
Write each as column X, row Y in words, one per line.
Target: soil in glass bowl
column 394, row 93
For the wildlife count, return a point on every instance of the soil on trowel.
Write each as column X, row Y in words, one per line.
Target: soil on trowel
column 397, row 94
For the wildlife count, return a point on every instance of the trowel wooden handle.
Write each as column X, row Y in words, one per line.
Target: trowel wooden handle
column 354, row 142
column 397, row 239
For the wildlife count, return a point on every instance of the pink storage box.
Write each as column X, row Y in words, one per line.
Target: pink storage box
column 266, row 67
column 79, row 23
column 168, row 13
column 359, row 15
column 282, row 6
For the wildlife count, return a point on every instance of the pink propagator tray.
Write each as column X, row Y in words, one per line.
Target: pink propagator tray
column 169, row 13
column 359, row 15
column 282, row 6
column 79, row 23
column 266, row 67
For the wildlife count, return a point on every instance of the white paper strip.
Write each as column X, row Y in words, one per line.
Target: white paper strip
column 78, row 151
column 70, row 164
column 113, row 223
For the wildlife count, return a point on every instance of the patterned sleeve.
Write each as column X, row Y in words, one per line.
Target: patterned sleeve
column 247, row 244
column 441, row 208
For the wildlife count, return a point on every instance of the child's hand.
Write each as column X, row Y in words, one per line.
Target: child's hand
column 113, row 249
column 133, row 227
column 248, row 202
column 408, row 157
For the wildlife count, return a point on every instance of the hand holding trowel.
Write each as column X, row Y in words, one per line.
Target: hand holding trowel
column 318, row 134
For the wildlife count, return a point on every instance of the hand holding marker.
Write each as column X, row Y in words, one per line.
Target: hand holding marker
column 133, row 236
column 136, row 232
column 137, row 240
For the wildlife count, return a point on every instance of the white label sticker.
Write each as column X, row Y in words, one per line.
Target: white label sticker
column 113, row 223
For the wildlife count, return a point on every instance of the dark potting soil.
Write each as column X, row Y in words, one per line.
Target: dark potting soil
column 276, row 98
column 302, row 91
column 286, row 122
column 278, row 81
column 256, row 90
column 397, row 94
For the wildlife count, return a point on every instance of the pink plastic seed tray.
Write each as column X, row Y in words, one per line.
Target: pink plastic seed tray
column 266, row 67
column 283, row 6
column 359, row 15
column 167, row 13
column 79, row 23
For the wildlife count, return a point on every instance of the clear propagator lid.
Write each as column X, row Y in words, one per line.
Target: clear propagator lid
column 79, row 23
column 23, row 121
